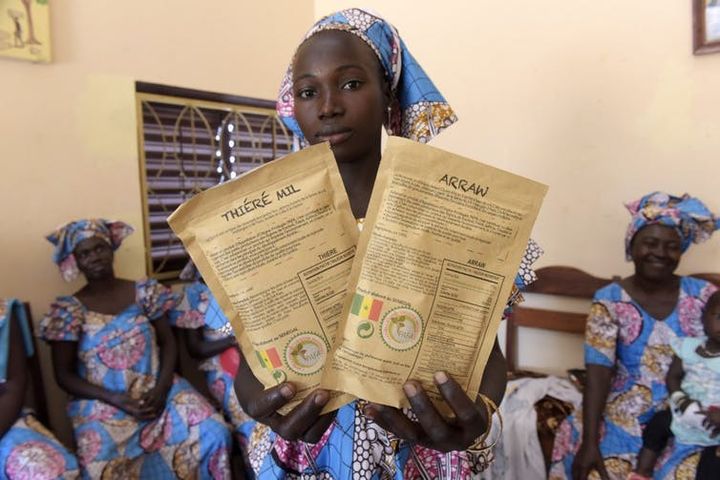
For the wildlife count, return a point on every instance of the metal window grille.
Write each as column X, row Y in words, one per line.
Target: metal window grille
column 191, row 140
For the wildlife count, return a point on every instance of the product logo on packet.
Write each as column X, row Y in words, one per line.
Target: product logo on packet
column 401, row 328
column 365, row 330
column 305, row 353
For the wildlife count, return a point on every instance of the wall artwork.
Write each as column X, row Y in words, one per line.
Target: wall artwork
column 706, row 26
column 25, row 30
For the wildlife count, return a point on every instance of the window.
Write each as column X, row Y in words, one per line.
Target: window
column 191, row 140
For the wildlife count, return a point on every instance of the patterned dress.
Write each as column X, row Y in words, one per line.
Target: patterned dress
column 120, row 353
column 28, row 451
column 621, row 335
column 354, row 447
column 199, row 309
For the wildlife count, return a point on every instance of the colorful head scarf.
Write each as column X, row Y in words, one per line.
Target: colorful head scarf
column 418, row 111
column 687, row 215
column 67, row 237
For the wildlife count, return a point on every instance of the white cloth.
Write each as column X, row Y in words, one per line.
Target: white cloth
column 518, row 454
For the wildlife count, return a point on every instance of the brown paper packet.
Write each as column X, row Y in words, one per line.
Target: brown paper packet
column 275, row 246
column 440, row 247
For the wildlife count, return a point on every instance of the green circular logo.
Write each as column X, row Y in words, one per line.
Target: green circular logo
column 365, row 330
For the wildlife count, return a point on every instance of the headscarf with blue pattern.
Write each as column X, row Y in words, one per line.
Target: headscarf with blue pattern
column 418, row 111
column 689, row 216
column 66, row 238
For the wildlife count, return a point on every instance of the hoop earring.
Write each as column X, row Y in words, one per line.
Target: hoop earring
column 388, row 120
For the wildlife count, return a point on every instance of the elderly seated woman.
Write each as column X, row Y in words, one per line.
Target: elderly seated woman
column 27, row 448
column 114, row 352
column 631, row 326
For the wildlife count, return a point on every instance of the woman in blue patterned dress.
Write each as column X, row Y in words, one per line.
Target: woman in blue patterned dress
column 209, row 338
column 628, row 345
column 113, row 351
column 28, row 451
column 350, row 76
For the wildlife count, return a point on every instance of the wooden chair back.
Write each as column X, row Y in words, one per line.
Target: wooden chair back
column 556, row 281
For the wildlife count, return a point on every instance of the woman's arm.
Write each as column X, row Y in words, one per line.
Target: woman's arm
column 675, row 374
column 12, row 392
column 200, row 349
column 64, row 356
column 597, row 387
column 494, row 378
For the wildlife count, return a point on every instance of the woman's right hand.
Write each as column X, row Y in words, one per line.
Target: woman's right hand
column 303, row 422
column 587, row 459
column 132, row 406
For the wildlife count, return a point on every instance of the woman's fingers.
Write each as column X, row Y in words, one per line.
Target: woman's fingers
column 266, row 403
column 465, row 409
column 395, row 421
column 434, row 424
column 301, row 418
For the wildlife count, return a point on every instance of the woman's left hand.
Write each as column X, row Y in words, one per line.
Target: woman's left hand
column 434, row 430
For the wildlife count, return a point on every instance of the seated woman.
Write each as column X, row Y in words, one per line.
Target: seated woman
column 210, row 338
column 114, row 352
column 27, row 448
column 627, row 344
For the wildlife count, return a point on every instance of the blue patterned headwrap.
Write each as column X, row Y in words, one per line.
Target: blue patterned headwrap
column 418, row 111
column 693, row 221
column 68, row 236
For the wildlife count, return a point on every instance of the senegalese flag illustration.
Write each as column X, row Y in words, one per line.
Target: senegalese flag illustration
column 269, row 358
column 365, row 306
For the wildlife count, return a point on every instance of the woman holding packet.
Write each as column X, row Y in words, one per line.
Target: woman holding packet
column 350, row 76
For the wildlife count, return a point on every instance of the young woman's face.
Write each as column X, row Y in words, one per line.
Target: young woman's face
column 656, row 252
column 94, row 258
column 340, row 95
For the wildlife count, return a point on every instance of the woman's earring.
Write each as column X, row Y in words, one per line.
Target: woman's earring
column 388, row 120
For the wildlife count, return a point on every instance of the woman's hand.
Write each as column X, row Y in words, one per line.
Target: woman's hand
column 154, row 399
column 303, row 422
column 131, row 406
column 587, row 459
column 433, row 430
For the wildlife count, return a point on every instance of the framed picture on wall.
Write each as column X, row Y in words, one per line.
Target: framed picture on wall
column 25, row 30
column 706, row 26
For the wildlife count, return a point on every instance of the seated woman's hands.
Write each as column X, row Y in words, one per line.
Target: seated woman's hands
column 132, row 406
column 303, row 422
column 434, row 430
column 155, row 398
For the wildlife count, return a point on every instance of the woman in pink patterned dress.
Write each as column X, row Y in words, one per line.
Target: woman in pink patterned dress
column 627, row 345
column 115, row 354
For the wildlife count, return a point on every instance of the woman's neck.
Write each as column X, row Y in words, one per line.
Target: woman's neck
column 105, row 284
column 650, row 286
column 359, row 178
